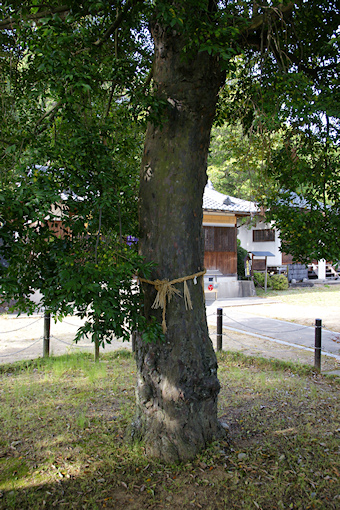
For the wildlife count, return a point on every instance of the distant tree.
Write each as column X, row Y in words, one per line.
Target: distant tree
column 305, row 202
column 238, row 161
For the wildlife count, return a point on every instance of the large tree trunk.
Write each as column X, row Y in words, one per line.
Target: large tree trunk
column 177, row 385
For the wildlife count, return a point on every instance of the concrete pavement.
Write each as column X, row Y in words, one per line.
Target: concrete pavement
column 283, row 332
column 21, row 337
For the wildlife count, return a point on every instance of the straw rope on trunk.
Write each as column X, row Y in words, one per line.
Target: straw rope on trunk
column 165, row 291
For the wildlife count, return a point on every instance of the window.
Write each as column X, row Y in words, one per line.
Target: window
column 262, row 236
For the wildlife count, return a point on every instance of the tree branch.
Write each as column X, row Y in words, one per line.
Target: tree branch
column 52, row 112
column 12, row 22
column 130, row 4
column 258, row 20
column 148, row 78
column 250, row 34
column 316, row 70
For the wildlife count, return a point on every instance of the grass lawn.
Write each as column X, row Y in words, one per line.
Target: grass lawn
column 64, row 423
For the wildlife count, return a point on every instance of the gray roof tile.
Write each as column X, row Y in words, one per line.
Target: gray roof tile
column 215, row 201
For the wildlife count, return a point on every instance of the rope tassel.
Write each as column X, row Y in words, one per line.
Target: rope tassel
column 166, row 290
column 187, row 298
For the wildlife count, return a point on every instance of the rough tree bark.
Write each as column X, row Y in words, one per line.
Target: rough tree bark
column 177, row 385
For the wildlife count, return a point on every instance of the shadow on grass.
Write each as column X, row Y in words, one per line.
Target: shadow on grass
column 63, row 443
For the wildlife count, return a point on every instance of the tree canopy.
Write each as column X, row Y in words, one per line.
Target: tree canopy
column 71, row 141
column 238, row 161
column 76, row 78
column 284, row 154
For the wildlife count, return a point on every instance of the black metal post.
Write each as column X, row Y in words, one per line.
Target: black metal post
column 47, row 328
column 96, row 349
column 133, row 341
column 317, row 355
column 219, row 329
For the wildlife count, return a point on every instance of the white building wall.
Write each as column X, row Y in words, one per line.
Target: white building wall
column 245, row 235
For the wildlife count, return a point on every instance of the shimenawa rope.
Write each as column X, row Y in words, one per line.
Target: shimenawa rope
column 165, row 291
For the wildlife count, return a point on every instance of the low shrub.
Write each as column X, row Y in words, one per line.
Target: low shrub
column 241, row 254
column 259, row 279
column 275, row 281
column 279, row 282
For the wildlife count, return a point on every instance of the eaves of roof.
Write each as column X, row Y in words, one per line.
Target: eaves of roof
column 214, row 201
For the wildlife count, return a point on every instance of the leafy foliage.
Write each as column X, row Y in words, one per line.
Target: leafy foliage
column 295, row 177
column 287, row 83
column 241, row 254
column 238, row 161
column 71, row 146
column 259, row 279
column 275, row 281
column 279, row 282
column 75, row 96
column 305, row 203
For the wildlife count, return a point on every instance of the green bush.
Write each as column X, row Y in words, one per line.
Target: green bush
column 259, row 279
column 275, row 281
column 241, row 254
column 279, row 282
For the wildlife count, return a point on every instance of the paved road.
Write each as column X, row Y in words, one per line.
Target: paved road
column 21, row 337
column 284, row 332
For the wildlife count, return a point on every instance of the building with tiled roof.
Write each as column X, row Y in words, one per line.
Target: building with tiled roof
column 221, row 214
column 225, row 221
column 215, row 201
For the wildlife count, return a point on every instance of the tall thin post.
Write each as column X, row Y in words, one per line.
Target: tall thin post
column 47, row 329
column 317, row 354
column 219, row 329
column 133, row 341
column 96, row 349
